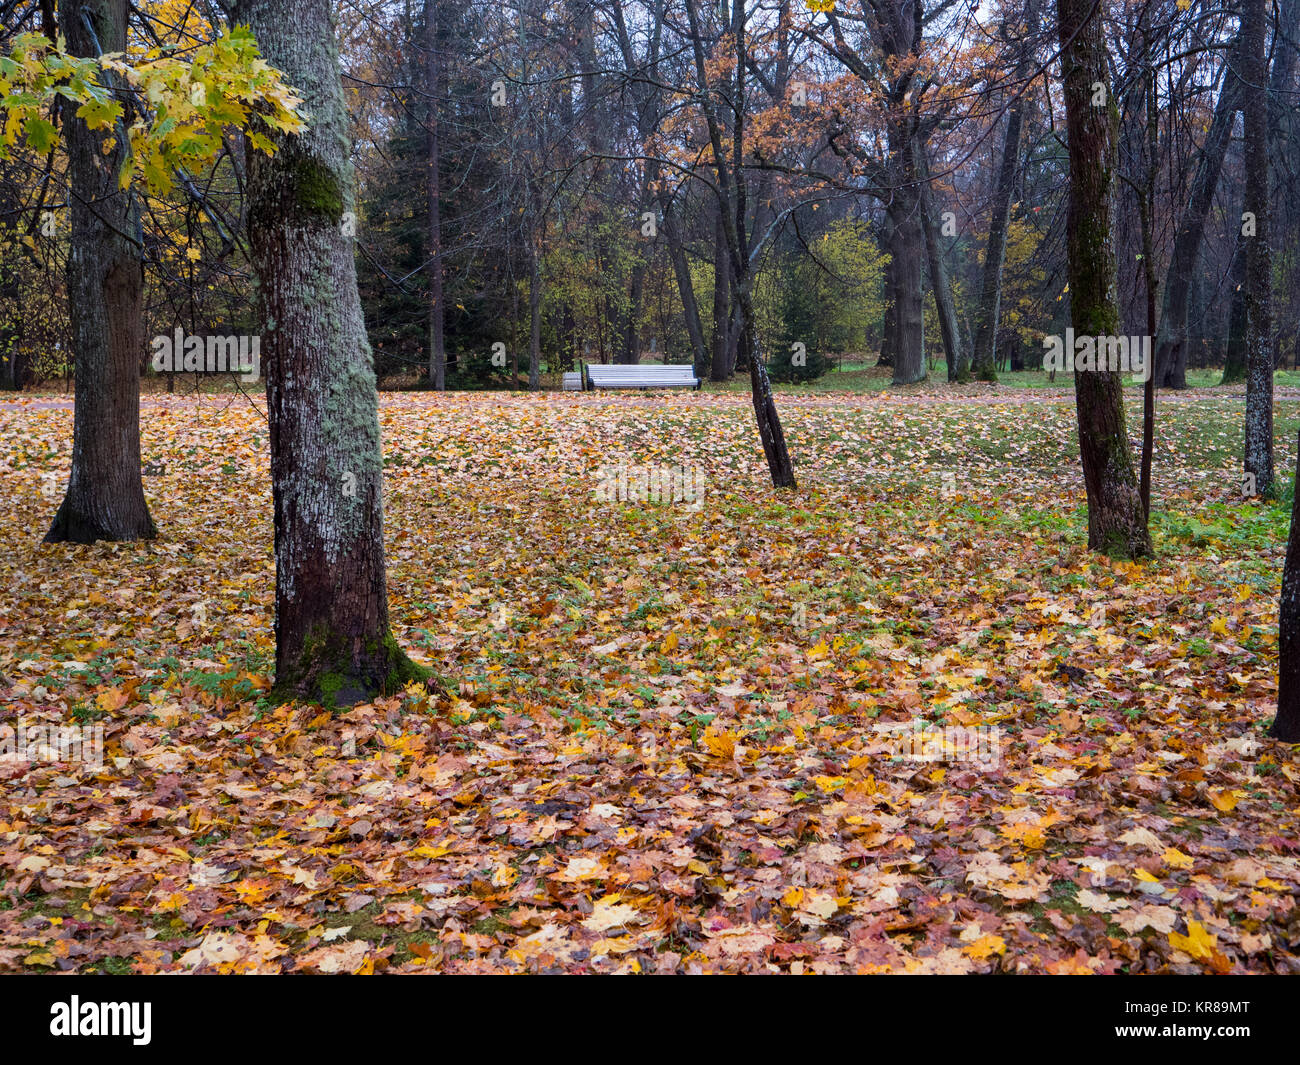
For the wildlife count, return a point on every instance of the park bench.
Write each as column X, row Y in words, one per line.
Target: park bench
column 571, row 382
column 622, row 375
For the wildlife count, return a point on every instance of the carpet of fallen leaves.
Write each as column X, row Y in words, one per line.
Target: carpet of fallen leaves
column 659, row 747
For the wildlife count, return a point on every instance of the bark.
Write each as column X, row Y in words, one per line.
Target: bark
column 1170, row 345
column 1259, row 277
column 907, row 247
column 1116, row 521
column 940, row 282
column 331, row 608
column 984, row 357
column 1148, row 210
column 105, row 495
column 1286, row 725
column 437, row 312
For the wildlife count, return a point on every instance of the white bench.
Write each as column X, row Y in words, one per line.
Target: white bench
column 625, row 375
column 571, row 382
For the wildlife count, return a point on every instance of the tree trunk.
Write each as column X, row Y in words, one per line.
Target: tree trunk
column 1259, row 276
column 105, row 496
column 770, row 431
column 888, row 329
column 1286, row 725
column 331, row 608
column 939, row 279
column 1148, row 212
column 1234, row 367
column 534, row 313
column 721, row 301
column 437, row 312
column 1116, row 521
column 686, row 289
column 907, row 250
column 631, row 353
column 986, row 330
column 1171, row 341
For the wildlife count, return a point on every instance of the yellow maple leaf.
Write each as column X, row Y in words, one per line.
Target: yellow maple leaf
column 720, row 744
column 1225, row 800
column 1199, row 941
column 984, row 947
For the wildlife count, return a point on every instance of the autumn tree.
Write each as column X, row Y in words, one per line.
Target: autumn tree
column 1116, row 520
column 1259, row 277
column 732, row 191
column 105, row 494
column 331, row 605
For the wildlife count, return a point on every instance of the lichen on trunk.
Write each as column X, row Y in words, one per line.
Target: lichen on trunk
column 333, row 642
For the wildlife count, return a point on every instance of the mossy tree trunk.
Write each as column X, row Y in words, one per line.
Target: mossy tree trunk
column 105, row 495
column 1259, row 277
column 331, row 607
column 1116, row 520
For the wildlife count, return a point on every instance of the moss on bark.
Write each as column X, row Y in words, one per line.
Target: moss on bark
column 328, row 672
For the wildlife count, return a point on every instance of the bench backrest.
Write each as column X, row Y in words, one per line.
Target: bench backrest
column 636, row 376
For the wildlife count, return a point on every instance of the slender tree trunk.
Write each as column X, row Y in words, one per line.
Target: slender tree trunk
column 1116, row 521
column 1171, row 340
column 437, row 311
column 534, row 313
column 631, row 351
column 1234, row 367
column 1148, row 205
column 686, row 289
column 331, row 607
column 770, row 432
column 986, row 329
column 731, row 203
column 1259, row 275
column 888, row 326
column 940, row 282
column 105, row 495
column 721, row 301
